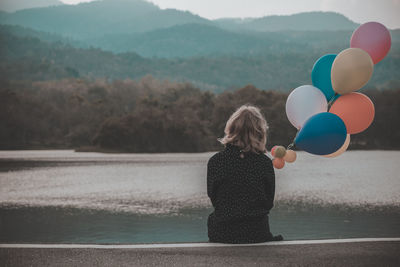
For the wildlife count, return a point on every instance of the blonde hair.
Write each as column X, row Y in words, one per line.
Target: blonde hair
column 247, row 129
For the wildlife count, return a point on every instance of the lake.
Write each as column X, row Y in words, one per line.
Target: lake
column 61, row 196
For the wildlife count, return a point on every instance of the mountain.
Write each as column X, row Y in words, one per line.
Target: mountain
column 308, row 21
column 98, row 18
column 142, row 27
column 29, row 59
column 43, row 36
column 190, row 40
column 14, row 5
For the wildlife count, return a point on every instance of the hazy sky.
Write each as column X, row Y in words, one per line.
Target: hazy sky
column 384, row 11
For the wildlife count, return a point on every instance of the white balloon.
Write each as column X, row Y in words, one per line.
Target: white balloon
column 304, row 102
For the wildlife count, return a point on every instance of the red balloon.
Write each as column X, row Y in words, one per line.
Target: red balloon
column 278, row 163
column 356, row 110
column 374, row 38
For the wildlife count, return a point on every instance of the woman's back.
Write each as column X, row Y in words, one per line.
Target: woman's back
column 240, row 187
column 241, row 181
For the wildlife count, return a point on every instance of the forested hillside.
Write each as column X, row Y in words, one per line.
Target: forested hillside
column 29, row 58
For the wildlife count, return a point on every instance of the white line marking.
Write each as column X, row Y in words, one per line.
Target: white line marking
column 198, row 245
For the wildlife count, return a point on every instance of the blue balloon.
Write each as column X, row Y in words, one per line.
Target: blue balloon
column 322, row 134
column 321, row 76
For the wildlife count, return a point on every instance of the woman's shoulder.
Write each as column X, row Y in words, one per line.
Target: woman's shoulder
column 218, row 156
column 266, row 159
column 222, row 157
column 232, row 151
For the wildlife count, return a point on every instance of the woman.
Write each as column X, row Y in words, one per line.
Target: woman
column 241, row 182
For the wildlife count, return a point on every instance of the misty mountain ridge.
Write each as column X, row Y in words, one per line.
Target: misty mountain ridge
column 307, row 21
column 15, row 5
column 190, row 40
column 142, row 27
column 98, row 18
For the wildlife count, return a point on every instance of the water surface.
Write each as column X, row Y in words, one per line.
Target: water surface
column 64, row 196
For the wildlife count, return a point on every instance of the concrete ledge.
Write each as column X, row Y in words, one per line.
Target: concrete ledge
column 199, row 245
column 331, row 252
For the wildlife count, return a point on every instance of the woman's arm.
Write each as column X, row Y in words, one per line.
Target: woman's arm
column 215, row 173
column 270, row 183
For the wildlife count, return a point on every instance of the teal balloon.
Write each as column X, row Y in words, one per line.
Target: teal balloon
column 322, row 134
column 321, row 76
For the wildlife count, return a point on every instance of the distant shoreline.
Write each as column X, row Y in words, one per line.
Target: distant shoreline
column 90, row 149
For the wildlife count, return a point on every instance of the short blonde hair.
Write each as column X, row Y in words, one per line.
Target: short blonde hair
column 247, row 129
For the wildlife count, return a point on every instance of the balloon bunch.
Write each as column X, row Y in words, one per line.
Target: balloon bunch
column 327, row 112
column 282, row 155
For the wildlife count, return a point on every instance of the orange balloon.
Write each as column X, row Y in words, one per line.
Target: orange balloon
column 290, row 156
column 356, row 110
column 278, row 163
column 340, row 150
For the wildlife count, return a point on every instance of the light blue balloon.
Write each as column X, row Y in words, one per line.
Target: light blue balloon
column 321, row 76
column 322, row 134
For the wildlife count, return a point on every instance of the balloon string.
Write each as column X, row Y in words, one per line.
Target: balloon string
column 331, row 101
column 292, row 143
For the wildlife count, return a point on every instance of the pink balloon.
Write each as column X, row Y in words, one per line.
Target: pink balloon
column 374, row 38
column 273, row 150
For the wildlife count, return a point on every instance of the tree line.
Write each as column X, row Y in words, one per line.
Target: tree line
column 151, row 115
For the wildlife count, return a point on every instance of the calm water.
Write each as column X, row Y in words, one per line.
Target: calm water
column 63, row 196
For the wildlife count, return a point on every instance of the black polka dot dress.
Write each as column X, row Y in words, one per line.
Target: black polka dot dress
column 241, row 187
